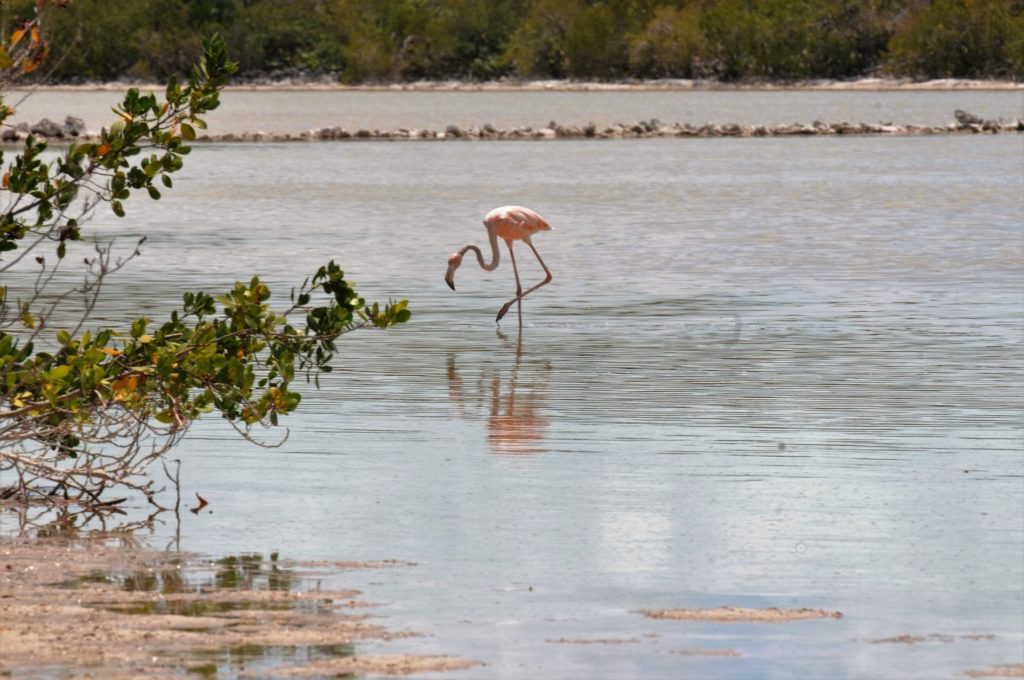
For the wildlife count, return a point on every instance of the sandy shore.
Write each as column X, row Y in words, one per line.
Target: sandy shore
column 100, row 609
column 864, row 84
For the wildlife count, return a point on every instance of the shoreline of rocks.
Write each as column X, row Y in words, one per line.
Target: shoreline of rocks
column 74, row 129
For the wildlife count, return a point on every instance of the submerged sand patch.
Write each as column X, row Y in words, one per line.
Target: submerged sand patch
column 116, row 611
column 708, row 652
column 906, row 639
column 1005, row 671
column 387, row 664
column 595, row 641
column 741, row 614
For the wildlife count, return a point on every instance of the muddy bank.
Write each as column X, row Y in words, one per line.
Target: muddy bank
column 115, row 611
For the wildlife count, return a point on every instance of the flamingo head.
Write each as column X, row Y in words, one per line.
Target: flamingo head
column 453, row 263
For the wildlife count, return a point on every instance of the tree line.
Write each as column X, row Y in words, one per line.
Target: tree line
column 362, row 41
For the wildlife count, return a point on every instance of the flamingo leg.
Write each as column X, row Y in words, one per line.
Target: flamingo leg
column 520, row 296
column 519, row 286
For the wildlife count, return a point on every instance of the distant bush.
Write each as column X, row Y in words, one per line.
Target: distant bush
column 793, row 39
column 671, row 45
column 960, row 39
column 401, row 40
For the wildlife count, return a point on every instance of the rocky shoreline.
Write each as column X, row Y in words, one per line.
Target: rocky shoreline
column 74, row 129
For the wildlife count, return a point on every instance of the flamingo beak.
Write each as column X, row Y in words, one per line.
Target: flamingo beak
column 449, row 276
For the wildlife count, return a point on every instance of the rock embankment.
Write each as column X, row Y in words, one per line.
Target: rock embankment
column 71, row 129
column 965, row 123
column 655, row 128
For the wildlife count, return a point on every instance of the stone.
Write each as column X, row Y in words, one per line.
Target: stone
column 845, row 128
column 74, row 126
column 453, row 131
column 47, row 128
column 965, row 118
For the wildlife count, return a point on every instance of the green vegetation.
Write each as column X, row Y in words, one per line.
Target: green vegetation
column 401, row 40
column 82, row 410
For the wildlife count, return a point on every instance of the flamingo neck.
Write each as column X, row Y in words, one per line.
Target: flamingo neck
column 495, row 253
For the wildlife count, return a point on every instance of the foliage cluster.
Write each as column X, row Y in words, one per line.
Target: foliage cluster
column 81, row 412
column 389, row 40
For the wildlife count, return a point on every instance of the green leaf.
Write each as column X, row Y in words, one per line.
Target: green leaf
column 58, row 373
column 117, row 208
column 164, row 417
column 188, row 132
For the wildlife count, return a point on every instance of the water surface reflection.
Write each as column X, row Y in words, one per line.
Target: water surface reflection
column 515, row 399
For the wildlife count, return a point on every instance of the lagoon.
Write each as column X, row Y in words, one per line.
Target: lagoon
column 768, row 373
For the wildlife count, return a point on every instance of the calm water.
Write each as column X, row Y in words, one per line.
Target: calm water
column 769, row 372
column 295, row 112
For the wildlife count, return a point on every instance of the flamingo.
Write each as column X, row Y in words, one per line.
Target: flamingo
column 512, row 223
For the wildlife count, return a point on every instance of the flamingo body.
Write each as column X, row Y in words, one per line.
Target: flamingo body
column 515, row 223
column 510, row 223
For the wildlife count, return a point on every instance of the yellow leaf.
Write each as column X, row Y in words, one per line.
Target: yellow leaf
column 145, row 339
column 35, row 62
column 111, row 351
column 16, row 36
column 124, row 387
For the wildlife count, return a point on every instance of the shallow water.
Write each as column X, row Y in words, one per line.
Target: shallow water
column 297, row 111
column 768, row 373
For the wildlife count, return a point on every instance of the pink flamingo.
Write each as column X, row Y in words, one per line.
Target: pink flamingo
column 512, row 223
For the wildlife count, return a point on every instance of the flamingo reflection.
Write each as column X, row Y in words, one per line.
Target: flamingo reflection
column 514, row 400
